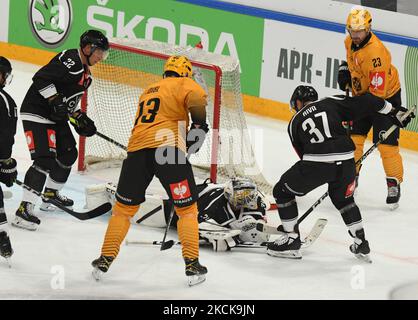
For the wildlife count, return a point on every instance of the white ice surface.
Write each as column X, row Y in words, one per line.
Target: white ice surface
column 63, row 247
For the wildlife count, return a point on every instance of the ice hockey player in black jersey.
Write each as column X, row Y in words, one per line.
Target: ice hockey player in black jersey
column 8, row 173
column 228, row 213
column 50, row 101
column 327, row 156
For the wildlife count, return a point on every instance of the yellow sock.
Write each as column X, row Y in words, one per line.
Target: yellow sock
column 392, row 161
column 117, row 228
column 359, row 143
column 188, row 231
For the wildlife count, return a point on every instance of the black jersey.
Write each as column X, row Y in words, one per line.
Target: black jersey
column 317, row 133
column 8, row 120
column 64, row 74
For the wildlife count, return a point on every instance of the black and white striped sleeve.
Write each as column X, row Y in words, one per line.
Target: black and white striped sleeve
column 63, row 68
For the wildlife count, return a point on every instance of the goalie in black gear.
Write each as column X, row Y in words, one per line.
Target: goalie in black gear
column 51, row 101
column 327, row 156
column 8, row 173
column 228, row 213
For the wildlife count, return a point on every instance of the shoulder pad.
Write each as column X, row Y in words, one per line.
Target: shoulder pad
column 71, row 60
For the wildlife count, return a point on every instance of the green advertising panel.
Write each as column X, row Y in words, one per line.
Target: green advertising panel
column 411, row 81
column 57, row 25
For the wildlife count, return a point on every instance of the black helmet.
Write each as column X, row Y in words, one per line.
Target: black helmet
column 5, row 66
column 5, row 69
column 95, row 38
column 304, row 94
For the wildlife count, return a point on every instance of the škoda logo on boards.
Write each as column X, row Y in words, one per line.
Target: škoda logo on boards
column 50, row 21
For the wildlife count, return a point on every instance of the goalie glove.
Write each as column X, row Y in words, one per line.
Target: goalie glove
column 196, row 137
column 221, row 238
column 248, row 226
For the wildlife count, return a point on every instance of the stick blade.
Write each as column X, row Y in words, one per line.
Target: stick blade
column 94, row 213
column 166, row 245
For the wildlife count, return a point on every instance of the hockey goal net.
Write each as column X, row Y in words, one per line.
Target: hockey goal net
column 131, row 66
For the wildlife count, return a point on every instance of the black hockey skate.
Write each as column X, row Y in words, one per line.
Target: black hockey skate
column 360, row 247
column 54, row 194
column 195, row 272
column 286, row 246
column 101, row 265
column 6, row 250
column 394, row 193
column 25, row 218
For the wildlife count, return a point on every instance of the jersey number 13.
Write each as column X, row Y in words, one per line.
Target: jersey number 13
column 151, row 112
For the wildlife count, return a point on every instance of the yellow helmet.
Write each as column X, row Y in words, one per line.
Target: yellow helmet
column 359, row 19
column 179, row 64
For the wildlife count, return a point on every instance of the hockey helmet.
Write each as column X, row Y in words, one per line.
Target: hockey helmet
column 241, row 193
column 97, row 40
column 180, row 65
column 5, row 70
column 359, row 19
column 304, row 94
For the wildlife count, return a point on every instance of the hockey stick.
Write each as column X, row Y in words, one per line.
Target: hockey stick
column 167, row 244
column 101, row 135
column 306, row 243
column 310, row 238
column 261, row 227
column 96, row 212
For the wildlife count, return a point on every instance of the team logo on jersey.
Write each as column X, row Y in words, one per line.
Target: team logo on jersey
column 51, row 139
column 180, row 190
column 377, row 81
column 50, row 21
column 30, row 141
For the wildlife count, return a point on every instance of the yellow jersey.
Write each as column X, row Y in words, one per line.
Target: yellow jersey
column 162, row 117
column 371, row 69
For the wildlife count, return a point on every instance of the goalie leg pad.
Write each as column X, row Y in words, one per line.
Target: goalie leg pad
column 96, row 195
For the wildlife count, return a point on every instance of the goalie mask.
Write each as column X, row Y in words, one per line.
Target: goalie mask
column 241, row 193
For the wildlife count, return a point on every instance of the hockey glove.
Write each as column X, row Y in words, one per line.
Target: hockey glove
column 8, row 172
column 83, row 124
column 59, row 110
column 344, row 76
column 196, row 137
column 396, row 115
column 248, row 226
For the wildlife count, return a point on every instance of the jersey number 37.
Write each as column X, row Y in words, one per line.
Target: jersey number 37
column 310, row 126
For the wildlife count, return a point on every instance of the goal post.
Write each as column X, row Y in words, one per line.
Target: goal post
column 132, row 65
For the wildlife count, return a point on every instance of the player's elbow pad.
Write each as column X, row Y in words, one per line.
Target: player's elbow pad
column 196, row 136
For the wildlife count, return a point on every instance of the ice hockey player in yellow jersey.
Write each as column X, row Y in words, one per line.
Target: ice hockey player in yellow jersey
column 369, row 69
column 158, row 146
